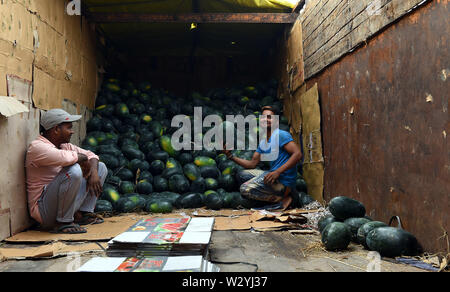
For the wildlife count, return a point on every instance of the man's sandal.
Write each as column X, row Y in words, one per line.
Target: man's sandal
column 89, row 219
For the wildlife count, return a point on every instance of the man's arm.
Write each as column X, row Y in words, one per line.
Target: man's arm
column 296, row 156
column 247, row 164
column 93, row 182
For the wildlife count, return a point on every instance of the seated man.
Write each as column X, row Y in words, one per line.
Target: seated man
column 276, row 185
column 63, row 180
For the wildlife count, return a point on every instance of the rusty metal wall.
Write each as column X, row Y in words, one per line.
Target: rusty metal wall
column 385, row 124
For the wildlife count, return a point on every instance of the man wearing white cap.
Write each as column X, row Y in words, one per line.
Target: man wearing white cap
column 63, row 180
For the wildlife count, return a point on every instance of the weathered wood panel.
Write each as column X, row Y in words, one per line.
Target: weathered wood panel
column 333, row 28
column 385, row 124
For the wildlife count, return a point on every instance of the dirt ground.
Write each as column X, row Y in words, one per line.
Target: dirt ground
column 246, row 251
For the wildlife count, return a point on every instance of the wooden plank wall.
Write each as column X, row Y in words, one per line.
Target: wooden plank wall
column 333, row 28
column 57, row 54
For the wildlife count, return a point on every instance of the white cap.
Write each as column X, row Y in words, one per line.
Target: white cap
column 55, row 117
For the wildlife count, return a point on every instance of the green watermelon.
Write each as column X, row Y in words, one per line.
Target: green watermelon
column 336, row 236
column 393, row 242
column 158, row 155
column 227, row 182
column 166, row 145
column 122, row 110
column 213, row 201
column 210, row 172
column 366, row 228
column 126, row 205
column 343, row 208
column 144, row 187
column 191, row 171
column 139, row 200
column 178, row 184
column 103, row 206
column 325, row 221
column 204, row 161
column 232, row 200
column 211, row 184
column 354, row 224
column 157, row 167
column 190, row 201
column 160, row 184
column 110, row 161
column 110, row 194
column 185, row 158
column 126, row 187
column 198, row 186
column 132, row 153
column 125, row 174
column 159, row 206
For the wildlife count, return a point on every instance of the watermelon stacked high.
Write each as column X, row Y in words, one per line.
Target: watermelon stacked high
column 131, row 132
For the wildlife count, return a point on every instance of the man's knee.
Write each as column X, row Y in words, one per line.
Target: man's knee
column 75, row 172
column 102, row 170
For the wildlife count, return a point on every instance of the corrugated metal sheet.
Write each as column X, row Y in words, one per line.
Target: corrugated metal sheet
column 385, row 124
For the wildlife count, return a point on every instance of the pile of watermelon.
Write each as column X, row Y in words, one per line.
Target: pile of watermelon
column 131, row 132
column 349, row 223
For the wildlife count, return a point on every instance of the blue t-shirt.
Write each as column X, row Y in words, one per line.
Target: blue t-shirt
column 273, row 151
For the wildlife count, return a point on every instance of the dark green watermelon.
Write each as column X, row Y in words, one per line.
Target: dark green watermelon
column 198, row 186
column 343, row 208
column 393, row 242
column 366, row 228
column 144, row 187
column 325, row 221
column 301, row 185
column 211, row 184
column 109, row 160
column 227, row 182
column 354, row 224
column 178, row 184
column 110, row 194
column 210, row 172
column 336, row 236
column 126, row 205
column 146, row 175
column 103, row 206
column 125, row 174
column 185, row 158
column 232, row 200
column 126, row 187
column 190, row 201
column 191, row 171
column 159, row 206
column 138, row 200
column 157, row 167
column 213, row 201
column 160, row 184
column 132, row 153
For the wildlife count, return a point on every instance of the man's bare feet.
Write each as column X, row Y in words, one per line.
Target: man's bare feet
column 286, row 202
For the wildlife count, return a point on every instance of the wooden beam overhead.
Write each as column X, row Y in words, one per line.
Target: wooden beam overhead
column 193, row 17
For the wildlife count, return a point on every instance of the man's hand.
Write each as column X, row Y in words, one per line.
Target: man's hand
column 271, row 178
column 94, row 185
column 226, row 152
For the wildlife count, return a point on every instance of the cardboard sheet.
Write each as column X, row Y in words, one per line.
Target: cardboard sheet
column 101, row 232
column 48, row 251
column 313, row 166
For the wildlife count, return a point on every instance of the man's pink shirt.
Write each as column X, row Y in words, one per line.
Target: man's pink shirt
column 43, row 163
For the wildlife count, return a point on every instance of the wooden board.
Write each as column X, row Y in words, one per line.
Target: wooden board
column 332, row 28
